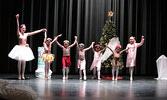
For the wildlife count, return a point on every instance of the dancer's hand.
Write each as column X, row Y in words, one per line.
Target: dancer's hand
column 17, row 16
column 106, row 44
column 75, row 37
column 44, row 30
column 59, row 35
column 92, row 44
column 142, row 37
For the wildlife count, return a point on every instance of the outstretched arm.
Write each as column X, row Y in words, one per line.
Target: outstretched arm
column 104, row 48
column 45, row 37
column 74, row 42
column 89, row 47
column 123, row 50
column 141, row 43
column 17, row 18
column 77, row 46
column 58, row 42
column 93, row 47
column 55, row 39
column 110, row 49
column 35, row 32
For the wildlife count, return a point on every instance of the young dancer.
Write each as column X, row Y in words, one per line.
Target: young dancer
column 22, row 52
column 66, row 62
column 48, row 57
column 131, row 56
column 81, row 61
column 115, row 62
column 97, row 60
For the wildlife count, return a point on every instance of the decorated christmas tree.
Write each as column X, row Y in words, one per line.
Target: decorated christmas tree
column 109, row 31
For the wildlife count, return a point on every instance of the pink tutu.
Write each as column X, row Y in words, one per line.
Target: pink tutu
column 21, row 53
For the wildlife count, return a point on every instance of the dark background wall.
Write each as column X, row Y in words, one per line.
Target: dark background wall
column 85, row 18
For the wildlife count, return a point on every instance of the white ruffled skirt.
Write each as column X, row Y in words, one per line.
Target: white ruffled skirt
column 21, row 53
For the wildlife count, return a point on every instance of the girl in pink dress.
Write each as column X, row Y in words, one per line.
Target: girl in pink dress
column 66, row 62
column 81, row 61
column 97, row 60
column 22, row 52
column 131, row 56
column 48, row 57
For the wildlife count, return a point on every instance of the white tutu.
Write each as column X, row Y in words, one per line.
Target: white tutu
column 21, row 53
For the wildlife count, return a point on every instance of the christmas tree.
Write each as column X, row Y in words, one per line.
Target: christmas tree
column 109, row 31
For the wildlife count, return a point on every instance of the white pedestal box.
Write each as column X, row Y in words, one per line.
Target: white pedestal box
column 162, row 67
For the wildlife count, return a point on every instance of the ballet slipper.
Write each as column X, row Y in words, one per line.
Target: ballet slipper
column 23, row 78
column 19, row 78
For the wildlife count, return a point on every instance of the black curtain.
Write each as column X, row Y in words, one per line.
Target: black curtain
column 85, row 18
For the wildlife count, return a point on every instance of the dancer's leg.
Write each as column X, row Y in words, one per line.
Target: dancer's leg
column 84, row 72
column 19, row 70
column 113, row 71
column 63, row 70
column 94, row 73
column 67, row 71
column 80, row 74
column 23, row 69
column 117, row 71
column 98, row 73
column 131, row 73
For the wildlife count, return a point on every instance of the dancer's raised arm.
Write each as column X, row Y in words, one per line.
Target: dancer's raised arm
column 141, row 43
column 74, row 42
column 35, row 32
column 55, row 38
column 123, row 50
column 58, row 42
column 110, row 49
column 18, row 29
column 104, row 48
column 77, row 46
column 89, row 47
column 93, row 47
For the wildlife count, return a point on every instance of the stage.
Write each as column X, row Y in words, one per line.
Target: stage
column 142, row 88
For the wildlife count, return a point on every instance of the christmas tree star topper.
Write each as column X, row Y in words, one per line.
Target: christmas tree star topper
column 110, row 13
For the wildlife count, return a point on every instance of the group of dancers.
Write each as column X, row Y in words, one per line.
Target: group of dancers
column 23, row 53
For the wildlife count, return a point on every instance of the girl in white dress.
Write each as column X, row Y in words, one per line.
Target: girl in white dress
column 22, row 51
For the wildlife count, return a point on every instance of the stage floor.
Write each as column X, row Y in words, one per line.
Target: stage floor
column 142, row 88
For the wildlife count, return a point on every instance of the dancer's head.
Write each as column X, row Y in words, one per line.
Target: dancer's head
column 66, row 43
column 117, row 49
column 22, row 28
column 132, row 40
column 48, row 40
column 81, row 46
column 97, row 47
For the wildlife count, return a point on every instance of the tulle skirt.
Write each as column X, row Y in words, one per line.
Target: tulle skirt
column 47, row 57
column 21, row 53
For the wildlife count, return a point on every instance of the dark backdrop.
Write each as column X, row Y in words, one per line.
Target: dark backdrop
column 85, row 18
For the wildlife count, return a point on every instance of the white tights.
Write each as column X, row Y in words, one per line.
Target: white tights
column 115, row 68
column 94, row 73
column 131, row 69
column 80, row 73
column 65, row 72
